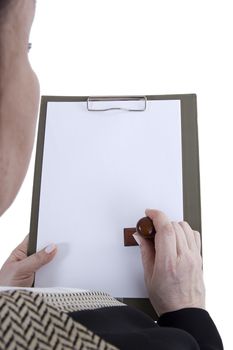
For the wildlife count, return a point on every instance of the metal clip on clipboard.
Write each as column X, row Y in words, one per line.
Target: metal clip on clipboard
column 129, row 104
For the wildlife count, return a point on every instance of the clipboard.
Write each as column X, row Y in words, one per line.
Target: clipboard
column 91, row 156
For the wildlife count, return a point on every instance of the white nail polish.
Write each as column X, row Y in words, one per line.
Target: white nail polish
column 50, row 248
column 137, row 238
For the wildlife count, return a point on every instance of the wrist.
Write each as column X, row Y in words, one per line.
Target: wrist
column 163, row 306
column 163, row 309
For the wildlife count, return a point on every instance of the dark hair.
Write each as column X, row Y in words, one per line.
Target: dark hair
column 3, row 3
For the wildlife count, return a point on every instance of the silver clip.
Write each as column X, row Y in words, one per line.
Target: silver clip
column 93, row 102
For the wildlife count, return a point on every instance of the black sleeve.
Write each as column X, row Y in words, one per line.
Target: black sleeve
column 128, row 328
column 196, row 322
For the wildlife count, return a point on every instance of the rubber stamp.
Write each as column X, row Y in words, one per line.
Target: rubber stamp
column 144, row 227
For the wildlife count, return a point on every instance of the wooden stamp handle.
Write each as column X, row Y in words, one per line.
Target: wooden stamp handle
column 145, row 228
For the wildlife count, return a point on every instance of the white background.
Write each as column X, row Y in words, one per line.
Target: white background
column 128, row 47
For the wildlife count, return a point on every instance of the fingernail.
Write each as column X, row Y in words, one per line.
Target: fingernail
column 147, row 209
column 137, row 238
column 50, row 248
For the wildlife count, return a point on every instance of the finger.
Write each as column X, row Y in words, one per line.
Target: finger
column 23, row 246
column 165, row 245
column 181, row 242
column 198, row 240
column 32, row 263
column 147, row 253
column 189, row 235
column 165, row 238
column 20, row 252
column 158, row 217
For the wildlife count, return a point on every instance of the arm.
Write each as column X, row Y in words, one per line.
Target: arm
column 19, row 95
column 196, row 322
column 174, row 278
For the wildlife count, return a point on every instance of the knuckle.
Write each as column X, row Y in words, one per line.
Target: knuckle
column 197, row 233
column 39, row 259
column 192, row 261
column 184, row 223
column 174, row 223
column 167, row 228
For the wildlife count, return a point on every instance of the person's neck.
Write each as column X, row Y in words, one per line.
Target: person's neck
column 15, row 23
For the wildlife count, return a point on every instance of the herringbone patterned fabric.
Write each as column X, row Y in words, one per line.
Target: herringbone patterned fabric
column 69, row 302
column 27, row 322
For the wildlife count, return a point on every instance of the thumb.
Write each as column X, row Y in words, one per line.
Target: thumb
column 32, row 263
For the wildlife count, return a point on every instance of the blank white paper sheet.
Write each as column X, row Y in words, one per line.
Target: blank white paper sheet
column 100, row 171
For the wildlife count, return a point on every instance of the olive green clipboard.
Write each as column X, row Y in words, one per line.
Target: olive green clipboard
column 190, row 163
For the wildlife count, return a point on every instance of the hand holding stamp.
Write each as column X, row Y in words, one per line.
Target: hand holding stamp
column 144, row 227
